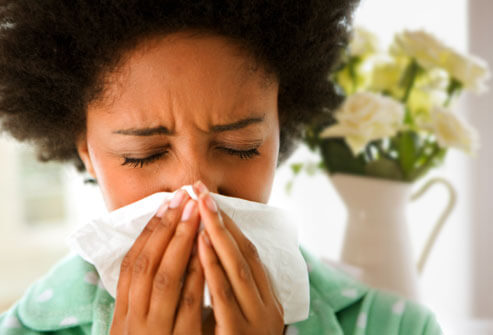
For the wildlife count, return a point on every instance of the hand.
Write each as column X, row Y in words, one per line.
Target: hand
column 242, row 297
column 151, row 296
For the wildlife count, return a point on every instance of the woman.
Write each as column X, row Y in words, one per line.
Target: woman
column 149, row 96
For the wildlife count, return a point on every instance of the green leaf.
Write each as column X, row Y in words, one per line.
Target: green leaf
column 289, row 187
column 432, row 160
column 296, row 168
column 312, row 168
column 384, row 168
column 338, row 157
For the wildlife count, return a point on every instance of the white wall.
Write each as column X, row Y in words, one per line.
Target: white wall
column 25, row 252
column 481, row 180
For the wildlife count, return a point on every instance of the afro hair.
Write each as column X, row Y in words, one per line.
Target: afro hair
column 54, row 55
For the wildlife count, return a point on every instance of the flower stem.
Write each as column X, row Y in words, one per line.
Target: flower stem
column 409, row 79
column 453, row 88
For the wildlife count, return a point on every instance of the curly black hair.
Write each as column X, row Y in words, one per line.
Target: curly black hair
column 54, row 55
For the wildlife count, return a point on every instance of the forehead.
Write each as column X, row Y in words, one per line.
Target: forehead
column 185, row 71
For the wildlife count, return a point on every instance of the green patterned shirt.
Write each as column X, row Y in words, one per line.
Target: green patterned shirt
column 70, row 299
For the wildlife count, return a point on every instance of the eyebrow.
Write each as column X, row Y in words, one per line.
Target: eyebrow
column 160, row 130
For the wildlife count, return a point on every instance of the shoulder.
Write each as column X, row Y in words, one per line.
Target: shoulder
column 341, row 304
column 63, row 298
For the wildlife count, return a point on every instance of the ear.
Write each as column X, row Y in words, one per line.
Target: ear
column 83, row 150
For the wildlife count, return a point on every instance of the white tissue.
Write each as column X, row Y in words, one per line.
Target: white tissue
column 104, row 242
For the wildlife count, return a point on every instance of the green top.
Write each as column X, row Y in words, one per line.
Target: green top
column 69, row 299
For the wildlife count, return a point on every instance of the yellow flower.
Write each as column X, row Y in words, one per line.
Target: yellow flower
column 363, row 42
column 365, row 117
column 452, row 131
column 430, row 90
column 429, row 52
column 386, row 74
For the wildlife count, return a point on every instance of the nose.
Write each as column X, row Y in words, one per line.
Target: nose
column 193, row 170
column 197, row 174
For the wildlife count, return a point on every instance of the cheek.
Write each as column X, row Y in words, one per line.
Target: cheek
column 253, row 180
column 270, row 166
column 119, row 186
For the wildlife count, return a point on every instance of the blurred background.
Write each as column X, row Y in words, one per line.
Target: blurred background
column 40, row 204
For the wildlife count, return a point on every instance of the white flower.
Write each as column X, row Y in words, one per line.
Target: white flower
column 365, row 117
column 452, row 131
column 471, row 71
column 435, row 80
column 429, row 52
column 363, row 42
column 424, row 47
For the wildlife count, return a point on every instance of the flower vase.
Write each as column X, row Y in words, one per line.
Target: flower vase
column 377, row 239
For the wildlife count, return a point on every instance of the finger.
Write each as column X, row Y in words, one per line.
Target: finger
column 259, row 271
column 167, row 283
column 231, row 258
column 148, row 260
column 121, row 303
column 223, row 300
column 249, row 251
column 189, row 315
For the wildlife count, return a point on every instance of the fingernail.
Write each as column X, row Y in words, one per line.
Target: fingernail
column 195, row 189
column 187, row 212
column 201, row 187
column 160, row 212
column 177, row 199
column 209, row 201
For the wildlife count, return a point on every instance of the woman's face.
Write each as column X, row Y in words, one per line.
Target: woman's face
column 182, row 109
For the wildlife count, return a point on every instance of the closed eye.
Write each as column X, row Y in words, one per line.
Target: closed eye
column 141, row 162
column 135, row 162
column 243, row 154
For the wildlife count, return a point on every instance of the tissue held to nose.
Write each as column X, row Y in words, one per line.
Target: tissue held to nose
column 284, row 265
